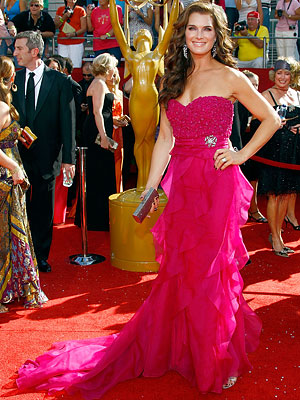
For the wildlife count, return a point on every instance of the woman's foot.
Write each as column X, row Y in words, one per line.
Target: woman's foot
column 278, row 247
column 3, row 309
column 293, row 222
column 256, row 216
column 230, row 382
column 288, row 250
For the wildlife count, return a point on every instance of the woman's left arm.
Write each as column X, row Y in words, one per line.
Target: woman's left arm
column 83, row 26
column 260, row 109
column 98, row 95
column 293, row 17
column 82, row 30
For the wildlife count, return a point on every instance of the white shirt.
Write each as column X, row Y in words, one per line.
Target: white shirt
column 38, row 76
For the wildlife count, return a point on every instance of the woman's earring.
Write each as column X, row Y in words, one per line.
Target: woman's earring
column 214, row 50
column 14, row 87
column 185, row 51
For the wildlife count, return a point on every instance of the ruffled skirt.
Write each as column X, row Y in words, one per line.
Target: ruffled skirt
column 195, row 320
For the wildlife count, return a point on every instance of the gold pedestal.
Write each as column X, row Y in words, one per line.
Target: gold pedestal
column 131, row 243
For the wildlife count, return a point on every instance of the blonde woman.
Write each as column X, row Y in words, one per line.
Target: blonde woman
column 100, row 162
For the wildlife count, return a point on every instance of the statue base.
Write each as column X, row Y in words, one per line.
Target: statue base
column 131, row 243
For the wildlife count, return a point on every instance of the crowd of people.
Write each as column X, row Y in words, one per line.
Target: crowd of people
column 200, row 225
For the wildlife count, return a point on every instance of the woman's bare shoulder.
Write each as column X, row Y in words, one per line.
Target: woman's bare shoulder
column 266, row 92
column 4, row 114
column 4, row 107
column 232, row 81
column 267, row 95
column 97, row 85
column 232, row 74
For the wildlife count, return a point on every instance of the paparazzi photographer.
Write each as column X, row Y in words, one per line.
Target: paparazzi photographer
column 251, row 50
column 288, row 13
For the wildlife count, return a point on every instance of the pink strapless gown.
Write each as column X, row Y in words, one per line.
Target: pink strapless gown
column 195, row 320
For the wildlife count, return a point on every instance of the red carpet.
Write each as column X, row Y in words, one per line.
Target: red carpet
column 99, row 299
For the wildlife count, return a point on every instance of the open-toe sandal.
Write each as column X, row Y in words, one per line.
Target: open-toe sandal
column 230, row 382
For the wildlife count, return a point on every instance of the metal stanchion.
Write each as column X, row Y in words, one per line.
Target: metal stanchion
column 84, row 258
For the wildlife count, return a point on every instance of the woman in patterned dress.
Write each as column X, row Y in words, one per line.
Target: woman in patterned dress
column 18, row 268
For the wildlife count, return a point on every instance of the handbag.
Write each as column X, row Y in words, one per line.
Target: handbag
column 28, row 136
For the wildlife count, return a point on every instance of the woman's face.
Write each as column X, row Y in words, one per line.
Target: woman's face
column 71, row 3
column 282, row 78
column 35, row 8
column 200, row 34
column 111, row 77
column 103, row 3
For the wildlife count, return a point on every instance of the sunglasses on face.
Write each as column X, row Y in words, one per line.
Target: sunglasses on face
column 87, row 75
column 35, row 5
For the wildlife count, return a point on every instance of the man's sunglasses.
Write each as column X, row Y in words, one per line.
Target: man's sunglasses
column 87, row 75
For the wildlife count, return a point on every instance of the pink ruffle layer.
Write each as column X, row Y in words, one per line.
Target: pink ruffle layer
column 195, row 320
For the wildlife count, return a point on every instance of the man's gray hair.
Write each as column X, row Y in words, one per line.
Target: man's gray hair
column 34, row 41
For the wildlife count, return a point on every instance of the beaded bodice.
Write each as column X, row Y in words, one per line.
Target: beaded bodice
column 206, row 120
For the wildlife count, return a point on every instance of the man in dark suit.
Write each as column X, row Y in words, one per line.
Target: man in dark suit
column 45, row 103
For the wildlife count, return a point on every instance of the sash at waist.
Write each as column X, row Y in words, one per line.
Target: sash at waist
column 198, row 147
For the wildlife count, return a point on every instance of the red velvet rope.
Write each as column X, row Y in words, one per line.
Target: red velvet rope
column 275, row 163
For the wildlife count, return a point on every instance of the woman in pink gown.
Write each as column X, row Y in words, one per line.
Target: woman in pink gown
column 195, row 320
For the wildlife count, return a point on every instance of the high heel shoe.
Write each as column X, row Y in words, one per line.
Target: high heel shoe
column 285, row 248
column 280, row 253
column 230, row 382
column 288, row 250
column 3, row 309
column 260, row 218
column 288, row 221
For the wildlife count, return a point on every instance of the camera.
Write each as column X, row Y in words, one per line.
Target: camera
column 279, row 13
column 241, row 26
column 68, row 9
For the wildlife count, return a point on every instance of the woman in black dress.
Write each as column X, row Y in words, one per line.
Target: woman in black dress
column 278, row 180
column 250, row 168
column 100, row 163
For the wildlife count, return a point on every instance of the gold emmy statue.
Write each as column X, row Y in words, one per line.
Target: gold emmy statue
column 131, row 243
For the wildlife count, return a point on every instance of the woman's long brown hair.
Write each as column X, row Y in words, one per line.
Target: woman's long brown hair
column 177, row 67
